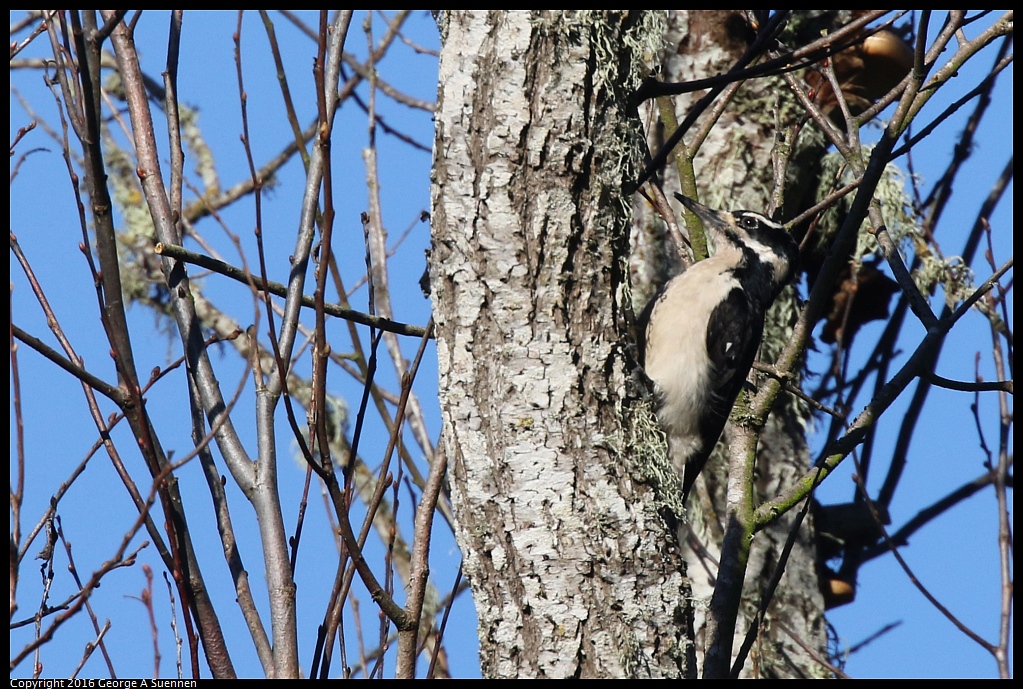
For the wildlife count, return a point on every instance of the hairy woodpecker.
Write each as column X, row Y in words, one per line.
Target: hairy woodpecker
column 702, row 330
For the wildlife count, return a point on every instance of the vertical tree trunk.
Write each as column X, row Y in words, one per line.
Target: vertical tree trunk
column 734, row 170
column 573, row 570
column 567, row 558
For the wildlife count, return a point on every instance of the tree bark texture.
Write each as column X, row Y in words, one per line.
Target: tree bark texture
column 570, row 569
column 734, row 170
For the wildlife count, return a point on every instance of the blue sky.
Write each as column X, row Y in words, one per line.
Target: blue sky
column 955, row 557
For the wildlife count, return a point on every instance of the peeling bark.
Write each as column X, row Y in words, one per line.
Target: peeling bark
column 566, row 554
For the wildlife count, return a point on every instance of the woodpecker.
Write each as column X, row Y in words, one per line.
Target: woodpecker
column 701, row 331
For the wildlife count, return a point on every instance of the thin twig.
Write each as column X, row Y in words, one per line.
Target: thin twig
column 276, row 288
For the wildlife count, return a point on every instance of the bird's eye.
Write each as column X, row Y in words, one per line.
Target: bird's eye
column 748, row 223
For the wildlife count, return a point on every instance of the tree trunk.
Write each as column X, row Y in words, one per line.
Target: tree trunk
column 574, row 570
column 734, row 169
column 567, row 558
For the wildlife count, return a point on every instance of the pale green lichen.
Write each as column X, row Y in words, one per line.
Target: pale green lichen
column 648, row 455
column 932, row 270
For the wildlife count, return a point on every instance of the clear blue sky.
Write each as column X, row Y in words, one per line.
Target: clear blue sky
column 955, row 556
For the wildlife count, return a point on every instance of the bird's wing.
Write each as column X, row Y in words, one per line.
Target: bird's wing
column 736, row 329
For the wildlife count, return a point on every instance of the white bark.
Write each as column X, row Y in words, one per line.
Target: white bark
column 571, row 567
column 734, row 170
column 567, row 559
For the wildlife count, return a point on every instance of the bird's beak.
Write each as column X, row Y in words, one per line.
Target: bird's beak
column 713, row 221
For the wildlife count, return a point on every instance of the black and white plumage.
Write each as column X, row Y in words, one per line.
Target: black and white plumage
column 701, row 332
